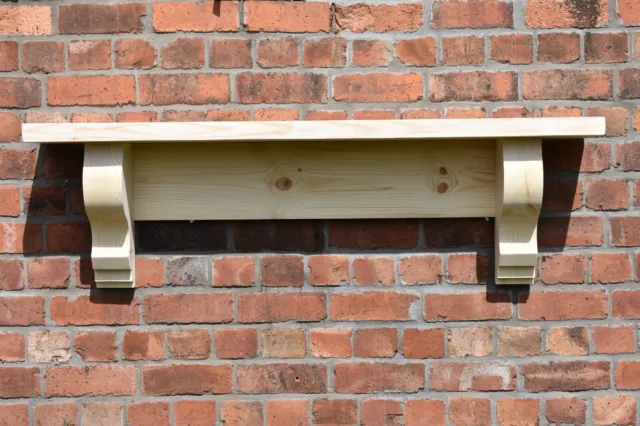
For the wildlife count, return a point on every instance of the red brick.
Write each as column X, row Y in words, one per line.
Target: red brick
column 242, row 413
column 375, row 114
column 294, row 412
column 44, row 200
column 183, row 53
column 607, row 268
column 19, row 382
column 568, row 84
column 281, row 378
column 189, row 344
column 278, row 53
column 12, row 276
column 421, row 411
column 374, row 271
column 20, row 237
column 373, row 234
column 567, row 376
column 563, row 269
column 61, row 413
column 8, row 56
column 370, row 53
column 9, row 201
column 91, row 90
column 473, row 86
column 576, row 156
column 472, row 376
column 465, row 342
column 472, row 14
column 468, row 269
column 282, row 271
column 628, row 375
column 91, row 118
column 605, row 47
column 21, row 311
column 287, row 17
column 371, row 306
column 467, row 307
column 281, row 88
column 328, row 52
column 234, row 272
column 43, row 56
column 629, row 12
column 276, row 114
column 84, row 273
column 628, row 156
column 48, row 272
column 614, row 340
column 195, row 379
column 273, row 307
column 20, row 92
column 378, row 377
column 517, row 412
column 227, row 115
column 562, row 195
column 416, row 52
column 236, row 343
column 626, row 304
column 636, row 116
column 565, row 14
column 423, row 343
column 283, row 343
column 96, row 346
column 378, row 87
column 470, row 411
column 616, row 119
column 14, row 414
column 625, row 231
column 11, row 347
column 328, row 270
column 559, row 48
column 213, row 308
column 143, row 345
column 619, row 409
column 465, row 113
column 330, row 342
column 148, row 414
column 375, row 343
column 326, row 115
column 572, row 231
column 149, row 272
column 135, row 54
column 298, row 235
column 113, row 309
column 89, row 55
column 137, row 117
column 421, row 269
column 182, row 116
column 72, row 237
column 195, row 413
column 230, row 53
column 334, row 412
column 101, row 18
column 190, row 89
column 99, row 380
column 514, row 49
column 207, row 16
column 572, row 341
column 25, row 20
column 462, row 50
column 381, row 412
column 629, row 87
column 11, row 129
column 382, row 18
column 566, row 410
column 563, row 305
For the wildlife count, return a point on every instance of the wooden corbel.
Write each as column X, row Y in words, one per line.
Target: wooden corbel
column 314, row 170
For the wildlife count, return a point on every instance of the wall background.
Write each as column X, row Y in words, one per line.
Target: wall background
column 326, row 323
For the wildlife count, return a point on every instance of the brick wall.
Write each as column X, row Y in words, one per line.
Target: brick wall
column 327, row 323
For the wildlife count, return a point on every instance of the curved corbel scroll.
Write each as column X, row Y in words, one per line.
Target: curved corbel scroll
column 106, row 180
column 519, row 200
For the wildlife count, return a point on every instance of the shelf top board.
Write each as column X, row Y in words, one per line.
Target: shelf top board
column 261, row 131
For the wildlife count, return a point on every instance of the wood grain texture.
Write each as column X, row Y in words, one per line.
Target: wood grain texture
column 296, row 131
column 314, row 180
column 107, row 189
column 518, row 203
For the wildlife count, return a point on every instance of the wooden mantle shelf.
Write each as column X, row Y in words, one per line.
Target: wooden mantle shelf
column 313, row 170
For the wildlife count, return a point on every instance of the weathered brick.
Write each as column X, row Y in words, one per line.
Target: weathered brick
column 563, row 268
column 570, row 231
column 470, row 411
column 236, row 343
column 416, row 52
column 281, row 378
column 381, row 412
column 288, row 412
column 149, row 272
column 617, row 119
column 195, row 17
column 462, row 50
column 282, row 271
column 91, row 118
column 572, row 341
column 376, row 114
column 517, row 411
column 361, row 17
column 283, row 343
column 278, row 53
column 334, row 411
column 143, row 345
column 563, row 305
column 423, row 343
column 189, row 344
column 111, row 309
column 189, row 89
column 8, row 56
column 629, row 86
column 472, row 14
column 607, row 268
column 281, row 88
column 96, row 346
column 328, row 52
column 421, row 269
column 566, row 410
column 625, row 231
column 276, row 114
column 11, row 347
column 46, row 346
column 372, row 306
column 186, row 271
column 370, row 53
column 473, row 86
column 566, row 376
column 213, row 308
column 25, row 20
column 472, row 376
column 476, row 112
column 327, row 270
column 183, row 53
column 519, row 341
column 613, row 340
column 287, row 17
column 48, row 272
column 19, row 382
column 43, row 56
column 626, row 304
column 61, row 413
column 21, row 311
column 19, row 237
column 234, row 272
column 330, row 342
column 559, row 48
column 12, row 276
column 272, row 307
column 574, row 156
column 467, row 307
column 89, row 55
column 373, row 271
column 91, row 90
column 183, row 116
column 148, row 413
column 135, row 54
column 195, row 379
column 514, row 49
column 378, row 377
column 98, row 380
column 20, row 92
column 565, row 14
column 605, row 47
column 101, row 18
column 375, row 343
column 628, row 156
column 230, row 53
column 629, row 12
column 468, row 269
column 242, row 413
column 194, row 413
column 619, row 409
column 465, row 342
column 227, row 115
column 568, row 84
